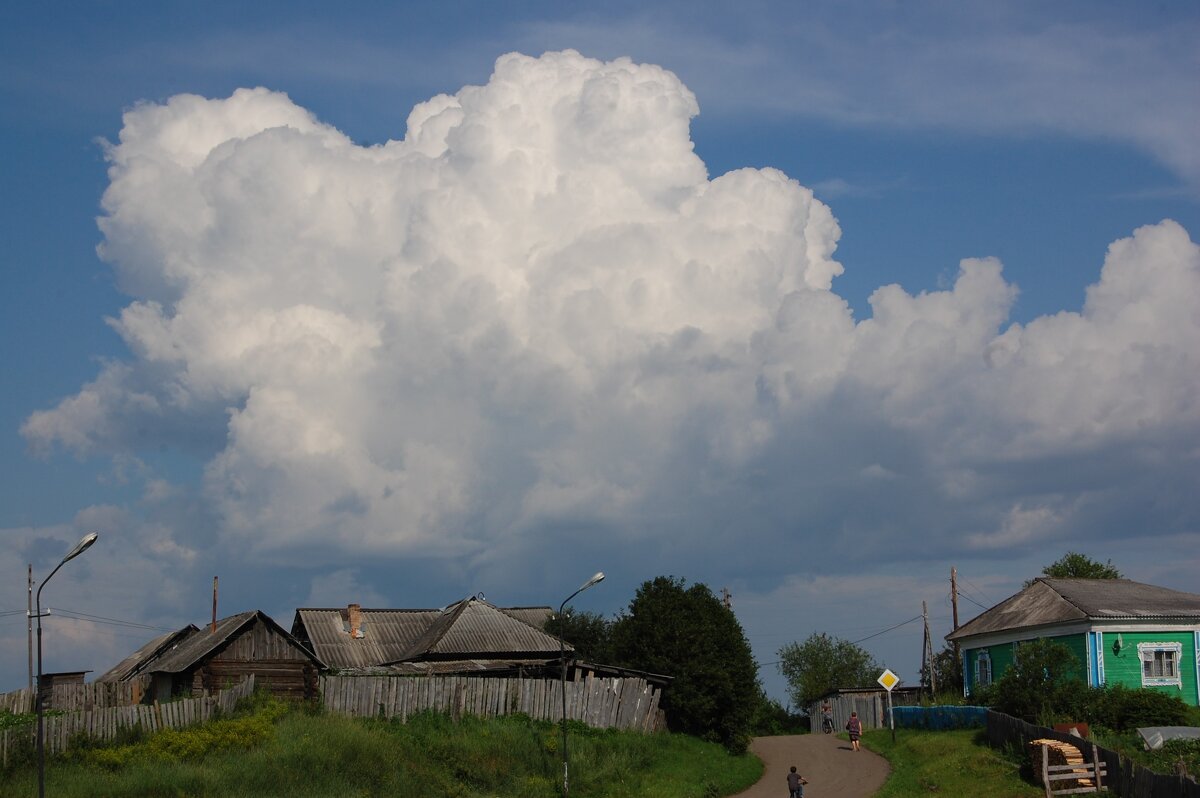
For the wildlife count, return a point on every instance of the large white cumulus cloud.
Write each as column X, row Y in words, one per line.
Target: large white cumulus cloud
column 538, row 306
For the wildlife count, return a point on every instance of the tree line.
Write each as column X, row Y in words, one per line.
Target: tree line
column 685, row 632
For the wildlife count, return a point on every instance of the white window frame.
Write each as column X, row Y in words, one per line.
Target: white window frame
column 982, row 657
column 1147, row 652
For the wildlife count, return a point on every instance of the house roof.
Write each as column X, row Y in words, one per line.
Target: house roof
column 133, row 664
column 1049, row 601
column 468, row 630
column 203, row 642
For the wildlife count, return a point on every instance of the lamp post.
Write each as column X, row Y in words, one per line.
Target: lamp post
column 562, row 655
column 80, row 548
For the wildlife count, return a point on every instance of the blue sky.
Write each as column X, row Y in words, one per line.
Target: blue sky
column 1036, row 135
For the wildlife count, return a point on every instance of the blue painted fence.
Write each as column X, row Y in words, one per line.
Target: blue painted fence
column 940, row 718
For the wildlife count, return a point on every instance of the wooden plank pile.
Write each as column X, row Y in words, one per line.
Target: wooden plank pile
column 1063, row 769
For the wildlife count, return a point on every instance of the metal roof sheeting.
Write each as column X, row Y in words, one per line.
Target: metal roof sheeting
column 1051, row 600
column 471, row 629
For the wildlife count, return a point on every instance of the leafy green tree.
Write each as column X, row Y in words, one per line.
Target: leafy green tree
column 1043, row 678
column 823, row 663
column 947, row 671
column 589, row 633
column 688, row 634
column 1074, row 565
column 770, row 718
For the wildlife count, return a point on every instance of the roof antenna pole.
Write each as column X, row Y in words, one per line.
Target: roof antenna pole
column 213, row 629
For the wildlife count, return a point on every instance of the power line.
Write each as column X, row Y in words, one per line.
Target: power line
column 860, row 640
column 890, row 628
column 973, row 601
column 83, row 616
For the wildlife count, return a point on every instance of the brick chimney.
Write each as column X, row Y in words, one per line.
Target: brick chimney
column 354, row 613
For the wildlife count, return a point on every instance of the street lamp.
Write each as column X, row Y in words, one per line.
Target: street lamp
column 80, row 547
column 562, row 655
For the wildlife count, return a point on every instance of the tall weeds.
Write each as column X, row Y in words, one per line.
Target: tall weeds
column 268, row 749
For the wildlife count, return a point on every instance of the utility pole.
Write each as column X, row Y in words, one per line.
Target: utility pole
column 954, row 602
column 954, row 597
column 927, row 652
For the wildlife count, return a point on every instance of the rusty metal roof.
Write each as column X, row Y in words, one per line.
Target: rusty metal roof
column 471, row 629
column 1049, row 601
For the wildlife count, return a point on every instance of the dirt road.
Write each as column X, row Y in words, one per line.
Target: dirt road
column 832, row 769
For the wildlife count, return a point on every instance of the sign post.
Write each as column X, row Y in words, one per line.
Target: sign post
column 889, row 680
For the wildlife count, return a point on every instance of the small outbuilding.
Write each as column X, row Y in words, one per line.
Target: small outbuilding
column 196, row 661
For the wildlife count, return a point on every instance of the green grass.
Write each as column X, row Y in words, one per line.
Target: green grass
column 269, row 751
column 949, row 763
column 1164, row 760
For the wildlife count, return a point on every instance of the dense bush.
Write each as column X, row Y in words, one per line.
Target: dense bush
column 1121, row 708
column 772, row 718
column 1038, row 686
column 1042, row 687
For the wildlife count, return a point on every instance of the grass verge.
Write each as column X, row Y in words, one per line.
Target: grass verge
column 950, row 763
column 271, row 750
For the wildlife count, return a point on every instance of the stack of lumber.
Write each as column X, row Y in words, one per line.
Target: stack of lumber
column 1061, row 753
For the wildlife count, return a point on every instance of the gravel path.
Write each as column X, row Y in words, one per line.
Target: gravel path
column 832, row 769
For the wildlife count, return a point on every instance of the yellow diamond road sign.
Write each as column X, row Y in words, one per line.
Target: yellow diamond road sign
column 889, row 680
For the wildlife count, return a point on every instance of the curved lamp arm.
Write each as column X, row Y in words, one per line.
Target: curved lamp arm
column 562, row 656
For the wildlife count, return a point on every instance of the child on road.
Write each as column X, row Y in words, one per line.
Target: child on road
column 854, row 727
column 795, row 784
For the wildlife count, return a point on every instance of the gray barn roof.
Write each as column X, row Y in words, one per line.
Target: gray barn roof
column 202, row 643
column 471, row 629
column 1050, row 601
column 135, row 662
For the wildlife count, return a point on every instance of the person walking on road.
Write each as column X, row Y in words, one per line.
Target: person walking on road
column 854, row 726
column 795, row 784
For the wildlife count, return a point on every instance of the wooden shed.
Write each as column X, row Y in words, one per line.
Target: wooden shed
column 200, row 661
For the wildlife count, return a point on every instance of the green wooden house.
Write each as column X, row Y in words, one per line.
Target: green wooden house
column 1119, row 631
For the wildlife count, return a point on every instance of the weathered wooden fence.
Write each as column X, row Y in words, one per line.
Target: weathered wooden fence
column 17, row 702
column 871, row 706
column 104, row 723
column 612, row 702
column 1125, row 777
column 78, row 697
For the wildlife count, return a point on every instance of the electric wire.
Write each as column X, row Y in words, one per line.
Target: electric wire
column 83, row 616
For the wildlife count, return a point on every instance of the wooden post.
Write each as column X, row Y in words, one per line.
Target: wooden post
column 954, row 602
column 213, row 628
column 927, row 651
column 1046, row 771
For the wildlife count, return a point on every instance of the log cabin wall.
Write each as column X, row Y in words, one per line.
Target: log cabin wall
column 277, row 664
